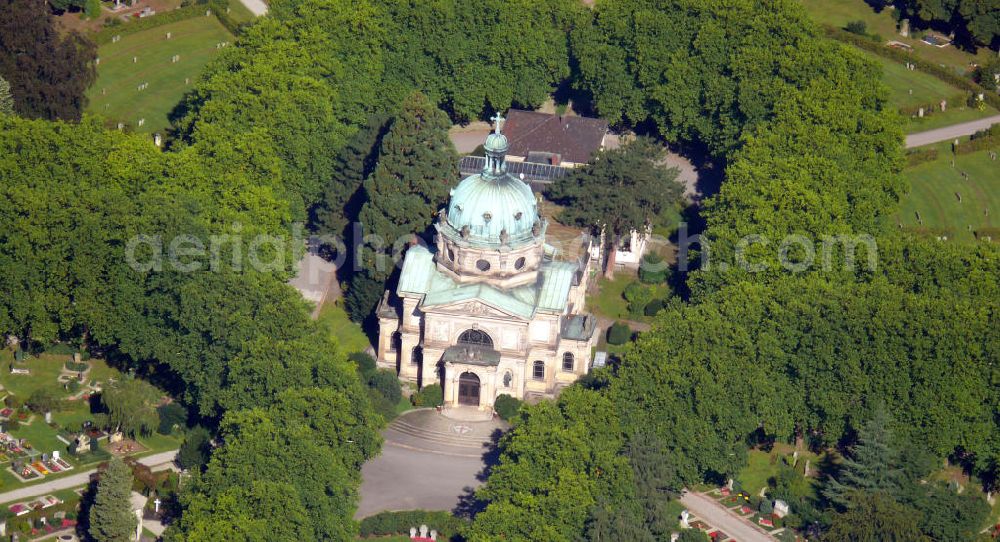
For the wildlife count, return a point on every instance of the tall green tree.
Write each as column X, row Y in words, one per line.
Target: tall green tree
column 6, row 98
column 131, row 405
column 417, row 166
column 111, row 517
column 620, row 190
column 875, row 517
column 48, row 71
column 354, row 163
column 873, row 463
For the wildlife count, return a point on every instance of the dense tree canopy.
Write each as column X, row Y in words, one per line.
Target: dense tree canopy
column 974, row 22
column 48, row 72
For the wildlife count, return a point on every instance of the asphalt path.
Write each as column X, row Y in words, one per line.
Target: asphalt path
column 948, row 133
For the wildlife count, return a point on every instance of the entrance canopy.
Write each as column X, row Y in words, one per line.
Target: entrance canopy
column 469, row 354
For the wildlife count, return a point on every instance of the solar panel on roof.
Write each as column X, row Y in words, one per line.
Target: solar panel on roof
column 541, row 173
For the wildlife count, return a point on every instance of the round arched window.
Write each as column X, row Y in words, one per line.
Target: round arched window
column 568, row 361
column 519, row 263
column 483, row 265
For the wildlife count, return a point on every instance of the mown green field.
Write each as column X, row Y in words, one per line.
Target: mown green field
column 934, row 194
column 115, row 94
column 913, row 88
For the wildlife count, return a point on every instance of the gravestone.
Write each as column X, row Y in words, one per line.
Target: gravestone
column 920, row 112
column 944, row 104
column 780, row 508
column 684, row 519
column 904, row 28
column 168, row 35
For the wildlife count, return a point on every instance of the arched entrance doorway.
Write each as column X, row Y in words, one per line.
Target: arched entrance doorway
column 468, row 389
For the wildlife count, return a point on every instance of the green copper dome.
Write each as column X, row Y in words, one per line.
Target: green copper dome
column 493, row 207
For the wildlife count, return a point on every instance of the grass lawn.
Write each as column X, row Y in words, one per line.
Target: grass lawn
column 927, row 89
column 840, row 12
column 610, row 300
column 762, row 465
column 933, row 189
column 348, row 335
column 115, row 94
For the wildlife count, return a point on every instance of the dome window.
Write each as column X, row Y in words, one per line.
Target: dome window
column 487, row 217
column 483, row 265
column 519, row 263
column 518, row 215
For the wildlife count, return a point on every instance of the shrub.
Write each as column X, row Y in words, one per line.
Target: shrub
column 73, row 386
column 653, row 270
column 765, row 507
column 921, row 156
column 171, row 415
column 13, row 425
column 637, row 295
column 857, row 27
column 988, row 234
column 693, row 535
column 41, row 400
column 77, row 367
column 399, row 523
column 386, row 384
column 428, row 396
column 366, row 364
column 619, row 333
column 381, row 405
column 654, row 307
column 506, row 406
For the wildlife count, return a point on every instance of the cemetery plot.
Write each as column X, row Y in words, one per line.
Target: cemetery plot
column 142, row 76
column 945, row 203
column 46, row 424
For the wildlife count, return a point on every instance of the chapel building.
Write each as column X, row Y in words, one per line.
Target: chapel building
column 490, row 309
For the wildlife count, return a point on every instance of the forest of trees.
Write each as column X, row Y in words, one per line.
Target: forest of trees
column 311, row 115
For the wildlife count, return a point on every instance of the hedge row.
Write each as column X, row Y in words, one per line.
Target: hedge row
column 921, row 156
column 988, row 234
column 218, row 8
column 399, row 523
column 977, row 144
column 933, row 107
column 936, row 70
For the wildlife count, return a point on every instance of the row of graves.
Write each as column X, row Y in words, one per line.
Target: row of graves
column 758, row 509
column 41, row 517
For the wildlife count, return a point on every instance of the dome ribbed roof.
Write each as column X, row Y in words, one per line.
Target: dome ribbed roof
column 489, row 205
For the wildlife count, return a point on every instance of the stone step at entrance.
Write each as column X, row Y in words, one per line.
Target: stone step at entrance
column 428, row 430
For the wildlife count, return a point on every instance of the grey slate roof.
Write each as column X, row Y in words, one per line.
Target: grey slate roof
column 574, row 139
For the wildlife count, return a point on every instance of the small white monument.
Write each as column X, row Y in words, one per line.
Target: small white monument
column 684, row 519
column 780, row 508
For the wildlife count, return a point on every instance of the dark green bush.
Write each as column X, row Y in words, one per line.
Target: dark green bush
column 77, row 367
column 857, row 27
column 506, row 406
column 41, row 400
column 171, row 414
column 366, row 364
column 386, row 384
column 399, row 523
column 429, row 396
column 921, row 156
column 765, row 507
column 619, row 333
column 381, row 405
column 654, row 307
